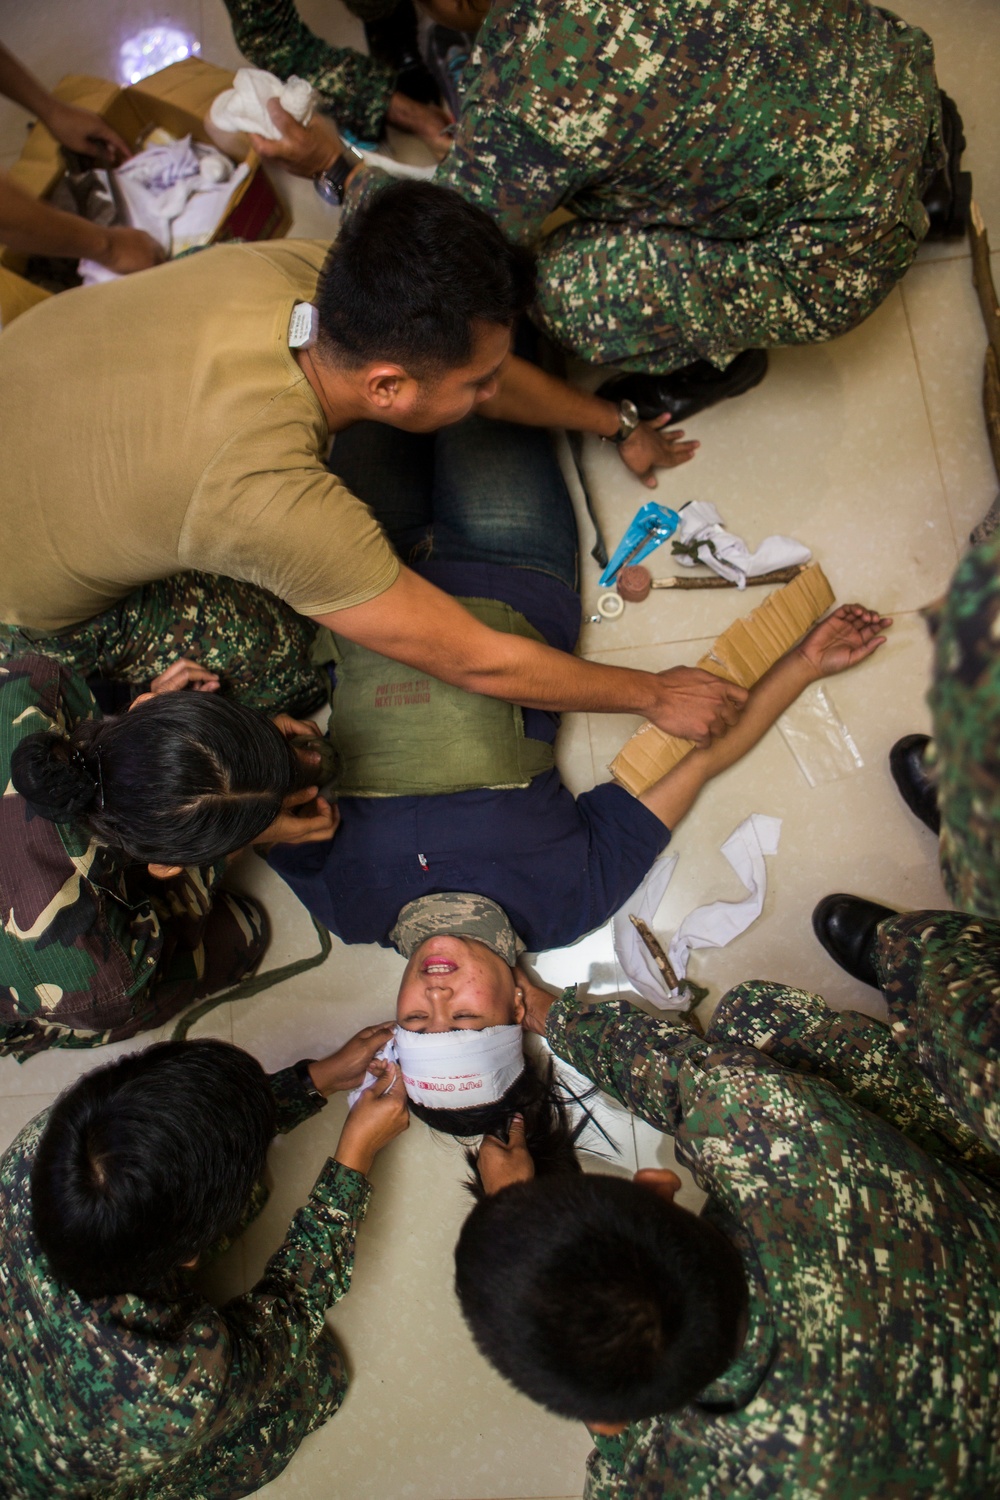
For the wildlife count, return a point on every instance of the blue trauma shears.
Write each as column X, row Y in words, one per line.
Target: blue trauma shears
column 651, row 525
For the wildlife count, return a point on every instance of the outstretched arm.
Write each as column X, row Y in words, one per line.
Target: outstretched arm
column 80, row 129
column 419, row 625
column 528, row 395
column 844, row 638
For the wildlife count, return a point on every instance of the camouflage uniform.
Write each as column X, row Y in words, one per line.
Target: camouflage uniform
column 91, row 951
column 131, row 1397
column 940, row 971
column 869, row 1367
column 355, row 89
column 965, row 703
column 259, row 645
column 741, row 174
column 460, row 913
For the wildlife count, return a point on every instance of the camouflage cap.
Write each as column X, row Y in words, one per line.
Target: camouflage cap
column 460, row 914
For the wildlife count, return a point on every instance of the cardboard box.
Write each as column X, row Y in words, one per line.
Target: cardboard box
column 177, row 99
column 743, row 653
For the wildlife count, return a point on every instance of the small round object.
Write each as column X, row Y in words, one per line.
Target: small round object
column 635, row 583
column 610, row 606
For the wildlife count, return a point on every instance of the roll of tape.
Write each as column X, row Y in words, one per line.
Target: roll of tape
column 610, row 606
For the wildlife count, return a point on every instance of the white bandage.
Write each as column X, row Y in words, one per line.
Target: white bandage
column 452, row 1069
column 459, row 1069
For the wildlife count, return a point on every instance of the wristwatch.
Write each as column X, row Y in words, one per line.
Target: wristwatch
column 330, row 183
column 628, row 421
column 312, row 1093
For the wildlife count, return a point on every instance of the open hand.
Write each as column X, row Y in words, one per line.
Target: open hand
column 376, row 1119
column 346, row 1068
column 843, row 639
column 429, row 122
column 303, row 150
column 184, row 673
column 696, row 705
column 305, row 818
column 651, row 447
column 501, row 1163
column 84, row 131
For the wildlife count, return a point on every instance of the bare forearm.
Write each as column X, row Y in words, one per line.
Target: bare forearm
column 418, row 625
column 33, row 228
column 530, row 396
column 672, row 796
column 18, row 84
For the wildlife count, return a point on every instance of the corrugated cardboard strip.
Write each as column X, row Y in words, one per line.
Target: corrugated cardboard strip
column 742, row 654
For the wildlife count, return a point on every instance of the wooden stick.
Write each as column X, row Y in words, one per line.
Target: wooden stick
column 656, row 952
column 982, row 276
column 779, row 575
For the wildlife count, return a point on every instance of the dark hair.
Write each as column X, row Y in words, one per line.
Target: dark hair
column 410, row 273
column 549, row 1133
column 146, row 1162
column 181, row 780
column 597, row 1298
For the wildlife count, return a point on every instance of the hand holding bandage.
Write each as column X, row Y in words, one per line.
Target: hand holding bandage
column 379, row 1115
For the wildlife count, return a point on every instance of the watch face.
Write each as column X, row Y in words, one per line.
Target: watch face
column 628, row 414
column 328, row 191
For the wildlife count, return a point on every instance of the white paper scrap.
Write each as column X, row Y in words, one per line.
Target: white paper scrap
column 715, row 925
column 711, row 926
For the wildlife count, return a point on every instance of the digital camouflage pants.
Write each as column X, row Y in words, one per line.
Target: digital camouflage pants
column 258, row 645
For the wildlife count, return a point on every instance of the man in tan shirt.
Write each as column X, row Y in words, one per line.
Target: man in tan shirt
column 164, row 489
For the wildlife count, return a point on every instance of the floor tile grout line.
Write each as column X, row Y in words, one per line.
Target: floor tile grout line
column 959, row 548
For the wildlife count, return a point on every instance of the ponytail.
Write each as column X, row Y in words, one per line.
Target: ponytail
column 57, row 780
column 182, row 779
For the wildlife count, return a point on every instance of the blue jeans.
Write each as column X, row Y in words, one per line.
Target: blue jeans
column 480, row 491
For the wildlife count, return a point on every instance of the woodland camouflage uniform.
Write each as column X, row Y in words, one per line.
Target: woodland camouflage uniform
column 91, row 950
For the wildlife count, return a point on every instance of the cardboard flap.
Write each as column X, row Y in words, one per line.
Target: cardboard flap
column 743, row 653
column 179, row 97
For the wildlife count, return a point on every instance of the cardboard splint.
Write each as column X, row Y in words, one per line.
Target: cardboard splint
column 742, row 654
column 177, row 99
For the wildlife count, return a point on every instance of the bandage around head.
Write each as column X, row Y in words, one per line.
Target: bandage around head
column 459, row 1069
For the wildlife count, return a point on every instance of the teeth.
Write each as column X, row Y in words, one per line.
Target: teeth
column 439, row 968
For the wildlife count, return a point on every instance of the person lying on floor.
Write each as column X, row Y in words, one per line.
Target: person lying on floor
column 119, row 1377
column 444, row 791
column 827, row 1325
column 461, row 1001
column 114, row 837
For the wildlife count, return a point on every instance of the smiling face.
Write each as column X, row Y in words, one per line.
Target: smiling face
column 457, row 983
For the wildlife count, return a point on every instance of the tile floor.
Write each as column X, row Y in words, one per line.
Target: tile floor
column 872, row 451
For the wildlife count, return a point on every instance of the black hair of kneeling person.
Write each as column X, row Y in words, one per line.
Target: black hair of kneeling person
column 537, row 1096
column 183, row 779
column 409, row 276
column 597, row 1298
column 146, row 1163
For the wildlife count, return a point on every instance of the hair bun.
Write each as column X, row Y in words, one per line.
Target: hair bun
column 56, row 780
